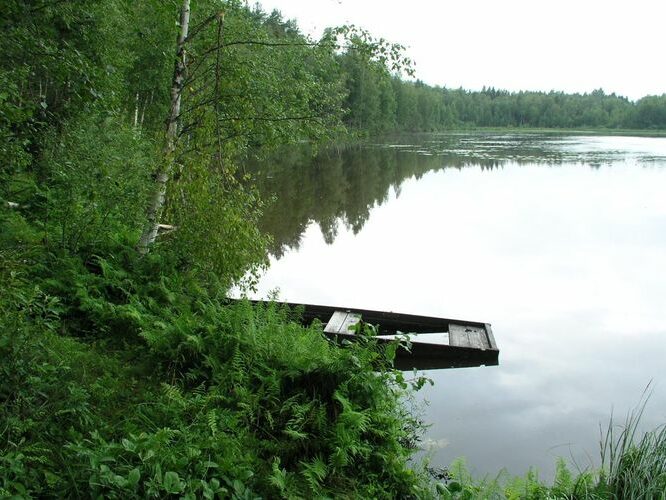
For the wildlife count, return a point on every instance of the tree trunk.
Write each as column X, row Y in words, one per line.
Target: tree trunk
column 156, row 202
column 136, row 111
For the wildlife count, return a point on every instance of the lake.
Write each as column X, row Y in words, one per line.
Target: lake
column 557, row 240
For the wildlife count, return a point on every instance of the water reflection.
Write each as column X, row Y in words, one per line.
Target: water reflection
column 566, row 261
column 333, row 188
column 340, row 186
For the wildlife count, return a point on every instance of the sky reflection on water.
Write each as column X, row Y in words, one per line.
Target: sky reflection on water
column 567, row 262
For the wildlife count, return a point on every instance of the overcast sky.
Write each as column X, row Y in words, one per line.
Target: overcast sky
column 569, row 45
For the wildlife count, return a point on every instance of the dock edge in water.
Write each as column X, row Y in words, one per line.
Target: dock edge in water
column 465, row 344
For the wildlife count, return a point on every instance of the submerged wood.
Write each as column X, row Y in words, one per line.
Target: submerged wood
column 435, row 342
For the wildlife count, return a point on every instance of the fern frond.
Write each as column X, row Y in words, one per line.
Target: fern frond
column 314, row 473
column 211, row 419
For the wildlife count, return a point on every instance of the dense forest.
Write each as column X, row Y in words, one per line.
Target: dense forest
column 126, row 213
column 378, row 102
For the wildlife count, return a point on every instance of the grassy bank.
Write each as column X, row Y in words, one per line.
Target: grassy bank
column 118, row 385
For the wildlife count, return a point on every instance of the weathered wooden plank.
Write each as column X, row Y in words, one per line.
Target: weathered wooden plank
column 350, row 321
column 433, row 338
column 491, row 338
column 335, row 323
column 389, row 322
column 468, row 336
column 439, row 338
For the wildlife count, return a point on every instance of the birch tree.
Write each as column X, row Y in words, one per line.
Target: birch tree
column 242, row 79
column 156, row 203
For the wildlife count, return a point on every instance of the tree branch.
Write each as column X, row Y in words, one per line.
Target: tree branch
column 263, row 44
column 218, row 16
column 273, row 118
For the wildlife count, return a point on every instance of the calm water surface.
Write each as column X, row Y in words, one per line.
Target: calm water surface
column 558, row 241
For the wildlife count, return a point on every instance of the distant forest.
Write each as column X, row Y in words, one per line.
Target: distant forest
column 379, row 102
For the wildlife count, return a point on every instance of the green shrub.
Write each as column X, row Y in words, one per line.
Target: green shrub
column 121, row 385
column 98, row 172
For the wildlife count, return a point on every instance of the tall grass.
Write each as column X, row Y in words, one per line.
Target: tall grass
column 633, row 467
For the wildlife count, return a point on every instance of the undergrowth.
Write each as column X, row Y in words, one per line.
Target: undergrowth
column 119, row 385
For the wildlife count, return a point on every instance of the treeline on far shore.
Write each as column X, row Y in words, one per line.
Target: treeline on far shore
column 379, row 102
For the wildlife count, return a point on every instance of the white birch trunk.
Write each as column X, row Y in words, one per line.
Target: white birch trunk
column 156, row 202
column 147, row 102
column 136, row 110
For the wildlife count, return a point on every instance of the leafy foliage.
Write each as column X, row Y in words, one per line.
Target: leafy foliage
column 170, row 390
column 99, row 170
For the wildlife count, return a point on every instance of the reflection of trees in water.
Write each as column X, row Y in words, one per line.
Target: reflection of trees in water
column 342, row 185
column 331, row 188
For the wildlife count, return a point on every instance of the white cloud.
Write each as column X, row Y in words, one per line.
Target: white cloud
column 574, row 46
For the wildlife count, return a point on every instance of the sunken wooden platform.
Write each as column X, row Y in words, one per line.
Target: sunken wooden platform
column 436, row 342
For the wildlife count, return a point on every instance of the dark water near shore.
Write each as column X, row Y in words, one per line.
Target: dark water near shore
column 558, row 241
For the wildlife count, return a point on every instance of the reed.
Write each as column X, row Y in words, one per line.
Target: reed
column 633, row 467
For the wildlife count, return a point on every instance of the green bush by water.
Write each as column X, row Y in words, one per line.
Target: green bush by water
column 119, row 387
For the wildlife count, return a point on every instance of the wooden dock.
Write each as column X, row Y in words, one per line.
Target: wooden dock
column 436, row 342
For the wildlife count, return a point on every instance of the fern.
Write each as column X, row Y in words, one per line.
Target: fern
column 174, row 394
column 212, row 422
column 314, row 473
column 295, row 435
column 278, row 477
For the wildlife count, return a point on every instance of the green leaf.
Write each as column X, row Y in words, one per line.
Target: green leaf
column 133, row 477
column 443, row 491
column 172, row 483
column 454, row 486
column 128, row 445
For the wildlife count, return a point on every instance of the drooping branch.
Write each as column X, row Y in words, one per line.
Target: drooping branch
column 210, row 101
column 189, row 127
column 272, row 44
column 218, row 16
column 226, row 138
column 274, row 118
column 262, row 44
